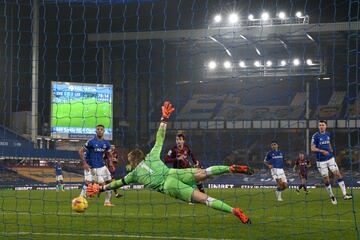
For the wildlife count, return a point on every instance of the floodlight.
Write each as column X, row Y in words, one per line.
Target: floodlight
column 217, row 18
column 265, row 16
column 296, row 62
column 233, row 18
column 282, row 15
column 227, row 64
column 212, row 65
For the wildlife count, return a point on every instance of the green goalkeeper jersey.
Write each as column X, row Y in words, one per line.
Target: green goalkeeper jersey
column 152, row 171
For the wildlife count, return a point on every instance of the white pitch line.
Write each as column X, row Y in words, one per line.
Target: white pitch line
column 106, row 235
column 91, row 214
column 312, row 219
column 133, row 215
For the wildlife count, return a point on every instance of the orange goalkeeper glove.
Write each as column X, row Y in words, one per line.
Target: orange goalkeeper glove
column 167, row 109
column 92, row 189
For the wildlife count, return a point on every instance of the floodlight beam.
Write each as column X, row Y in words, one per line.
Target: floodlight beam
column 226, row 50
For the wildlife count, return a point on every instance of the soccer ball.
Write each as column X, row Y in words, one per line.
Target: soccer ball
column 79, row 204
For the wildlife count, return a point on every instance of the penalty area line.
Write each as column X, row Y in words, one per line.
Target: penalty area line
column 104, row 235
column 133, row 215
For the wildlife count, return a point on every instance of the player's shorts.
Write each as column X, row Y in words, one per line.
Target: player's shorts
column 303, row 174
column 112, row 174
column 186, row 175
column 324, row 167
column 278, row 173
column 98, row 175
column 179, row 182
column 59, row 178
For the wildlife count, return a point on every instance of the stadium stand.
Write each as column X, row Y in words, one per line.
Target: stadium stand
column 267, row 70
column 14, row 146
column 250, row 104
column 11, row 178
column 45, row 174
column 9, row 138
column 333, row 107
column 201, row 106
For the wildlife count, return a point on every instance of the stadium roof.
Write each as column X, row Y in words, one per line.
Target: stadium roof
column 259, row 32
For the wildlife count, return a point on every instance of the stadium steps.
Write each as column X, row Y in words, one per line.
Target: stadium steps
column 10, row 178
column 46, row 175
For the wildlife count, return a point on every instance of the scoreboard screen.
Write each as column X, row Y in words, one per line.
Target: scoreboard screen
column 76, row 109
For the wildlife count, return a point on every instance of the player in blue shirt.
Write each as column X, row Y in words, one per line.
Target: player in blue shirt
column 274, row 160
column 95, row 170
column 325, row 160
column 59, row 177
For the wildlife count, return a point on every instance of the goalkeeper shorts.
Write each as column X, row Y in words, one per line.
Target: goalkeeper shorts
column 179, row 182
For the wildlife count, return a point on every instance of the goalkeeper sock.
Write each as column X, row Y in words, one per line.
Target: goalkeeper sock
column 218, row 205
column 217, row 170
column 342, row 186
column 328, row 189
column 115, row 184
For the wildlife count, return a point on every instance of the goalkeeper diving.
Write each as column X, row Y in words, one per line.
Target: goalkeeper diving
column 151, row 171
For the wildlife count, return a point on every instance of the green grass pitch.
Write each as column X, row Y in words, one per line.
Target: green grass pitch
column 143, row 214
column 81, row 113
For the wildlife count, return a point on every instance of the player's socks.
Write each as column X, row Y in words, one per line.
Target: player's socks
column 219, row 205
column 305, row 187
column 278, row 194
column 108, row 196
column 342, row 186
column 217, row 170
column 328, row 189
column 300, row 186
column 83, row 191
column 343, row 189
column 114, row 185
